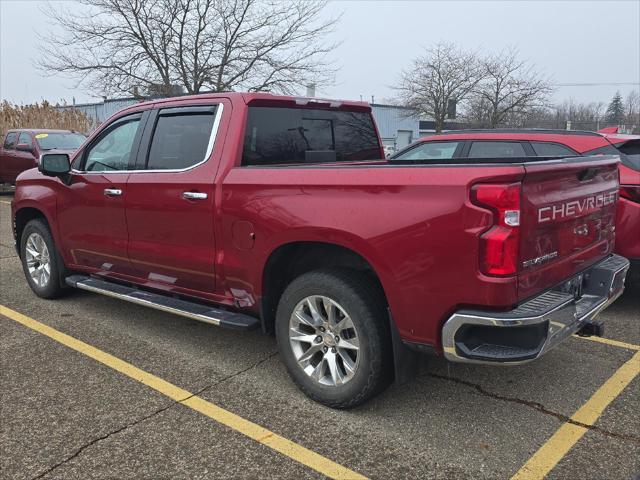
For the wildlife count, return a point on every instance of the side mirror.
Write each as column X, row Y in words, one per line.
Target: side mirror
column 54, row 164
column 24, row 147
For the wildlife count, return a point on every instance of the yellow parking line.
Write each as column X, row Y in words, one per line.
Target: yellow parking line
column 254, row 431
column 4, row 201
column 548, row 456
column 614, row 343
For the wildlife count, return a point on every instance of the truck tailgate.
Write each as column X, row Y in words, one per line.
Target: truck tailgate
column 567, row 219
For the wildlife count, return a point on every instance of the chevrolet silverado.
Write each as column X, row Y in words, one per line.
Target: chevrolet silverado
column 262, row 211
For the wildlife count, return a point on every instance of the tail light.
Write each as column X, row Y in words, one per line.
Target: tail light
column 630, row 192
column 499, row 245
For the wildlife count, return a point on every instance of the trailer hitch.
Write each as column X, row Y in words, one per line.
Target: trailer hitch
column 591, row 329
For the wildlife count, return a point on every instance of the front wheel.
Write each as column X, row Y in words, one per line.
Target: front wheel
column 40, row 261
column 333, row 336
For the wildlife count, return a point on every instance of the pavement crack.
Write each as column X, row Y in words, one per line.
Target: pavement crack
column 153, row 414
column 230, row 376
column 537, row 406
column 100, row 438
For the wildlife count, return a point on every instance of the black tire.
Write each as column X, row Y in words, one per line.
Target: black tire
column 54, row 287
column 364, row 302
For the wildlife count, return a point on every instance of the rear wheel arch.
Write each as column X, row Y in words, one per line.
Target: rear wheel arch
column 291, row 260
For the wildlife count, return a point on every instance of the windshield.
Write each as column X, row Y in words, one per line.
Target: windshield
column 59, row 141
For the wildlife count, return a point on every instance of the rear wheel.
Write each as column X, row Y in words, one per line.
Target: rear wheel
column 40, row 260
column 333, row 336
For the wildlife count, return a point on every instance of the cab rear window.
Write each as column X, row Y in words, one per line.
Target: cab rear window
column 282, row 136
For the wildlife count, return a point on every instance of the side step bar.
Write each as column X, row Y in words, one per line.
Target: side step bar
column 195, row 311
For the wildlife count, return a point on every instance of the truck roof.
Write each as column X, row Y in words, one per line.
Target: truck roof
column 264, row 98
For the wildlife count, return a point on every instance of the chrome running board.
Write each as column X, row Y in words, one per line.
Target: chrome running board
column 195, row 311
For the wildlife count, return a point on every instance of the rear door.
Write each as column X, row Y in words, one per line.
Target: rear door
column 567, row 218
column 171, row 197
column 6, row 157
column 23, row 159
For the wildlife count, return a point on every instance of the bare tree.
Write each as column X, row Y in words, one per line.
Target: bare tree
column 581, row 112
column 117, row 46
column 510, row 88
column 442, row 74
column 582, row 116
column 632, row 108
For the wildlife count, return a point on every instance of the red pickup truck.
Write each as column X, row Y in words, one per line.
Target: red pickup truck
column 255, row 210
column 20, row 149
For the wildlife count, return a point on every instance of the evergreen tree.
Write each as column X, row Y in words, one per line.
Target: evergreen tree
column 615, row 110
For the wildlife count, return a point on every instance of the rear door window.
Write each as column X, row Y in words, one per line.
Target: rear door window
column 548, row 149
column 281, row 136
column 496, row 150
column 181, row 138
column 429, row 150
column 10, row 140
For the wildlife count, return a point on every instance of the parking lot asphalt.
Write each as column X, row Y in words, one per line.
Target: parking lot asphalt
column 65, row 415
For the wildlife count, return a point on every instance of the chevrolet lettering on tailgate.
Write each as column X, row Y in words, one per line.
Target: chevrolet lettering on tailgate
column 575, row 207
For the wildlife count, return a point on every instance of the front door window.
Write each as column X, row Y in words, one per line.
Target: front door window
column 112, row 152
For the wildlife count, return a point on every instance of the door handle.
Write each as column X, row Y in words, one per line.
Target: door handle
column 194, row 195
column 112, row 192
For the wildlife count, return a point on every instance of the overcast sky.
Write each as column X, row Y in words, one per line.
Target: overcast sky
column 571, row 42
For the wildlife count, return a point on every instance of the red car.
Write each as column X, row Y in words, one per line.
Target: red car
column 513, row 143
column 21, row 149
column 255, row 210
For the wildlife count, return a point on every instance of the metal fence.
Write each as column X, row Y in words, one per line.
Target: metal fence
column 101, row 111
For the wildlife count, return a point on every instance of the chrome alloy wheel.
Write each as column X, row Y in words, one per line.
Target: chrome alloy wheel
column 38, row 261
column 324, row 340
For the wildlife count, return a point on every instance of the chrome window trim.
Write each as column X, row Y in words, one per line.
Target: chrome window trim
column 210, row 145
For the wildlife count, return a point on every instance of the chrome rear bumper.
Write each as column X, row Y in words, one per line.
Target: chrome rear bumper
column 536, row 326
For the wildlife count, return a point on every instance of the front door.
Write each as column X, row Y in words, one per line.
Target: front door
column 170, row 200
column 91, row 208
